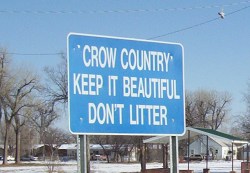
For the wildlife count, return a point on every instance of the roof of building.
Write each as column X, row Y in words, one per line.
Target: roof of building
column 68, row 147
column 91, row 146
column 36, row 146
column 191, row 132
column 220, row 134
column 98, row 146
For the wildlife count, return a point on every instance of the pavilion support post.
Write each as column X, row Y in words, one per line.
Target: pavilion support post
column 247, row 155
column 243, row 158
column 188, row 150
column 232, row 157
column 207, row 154
column 206, row 170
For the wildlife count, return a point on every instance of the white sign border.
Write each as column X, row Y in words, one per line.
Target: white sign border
column 130, row 39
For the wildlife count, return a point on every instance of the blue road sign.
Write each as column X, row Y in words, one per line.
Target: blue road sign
column 125, row 86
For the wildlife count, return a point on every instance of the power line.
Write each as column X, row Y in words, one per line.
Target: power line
column 184, row 29
column 31, row 54
column 162, row 35
column 236, row 11
column 119, row 11
column 199, row 24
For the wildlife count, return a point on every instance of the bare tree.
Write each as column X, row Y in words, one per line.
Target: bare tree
column 202, row 101
column 244, row 120
column 247, row 97
column 219, row 108
column 43, row 116
column 123, row 145
column 207, row 109
column 11, row 138
column 119, row 146
column 2, row 127
column 19, row 122
column 15, row 98
column 58, row 136
column 102, row 141
column 57, row 82
column 190, row 109
column 4, row 63
column 5, row 89
column 28, row 137
column 55, row 92
column 244, row 123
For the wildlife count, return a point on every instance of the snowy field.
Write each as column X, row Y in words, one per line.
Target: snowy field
column 103, row 167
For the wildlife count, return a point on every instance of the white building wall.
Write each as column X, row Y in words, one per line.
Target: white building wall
column 71, row 152
column 245, row 155
column 216, row 150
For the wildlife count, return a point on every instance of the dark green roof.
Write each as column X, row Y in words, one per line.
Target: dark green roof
column 217, row 133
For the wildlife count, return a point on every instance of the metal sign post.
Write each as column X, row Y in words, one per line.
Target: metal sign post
column 174, row 154
column 84, row 153
column 78, row 154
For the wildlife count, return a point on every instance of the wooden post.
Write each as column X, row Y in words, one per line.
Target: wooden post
column 165, row 155
column 142, row 155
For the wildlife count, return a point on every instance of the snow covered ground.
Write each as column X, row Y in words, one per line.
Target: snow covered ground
column 103, row 167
